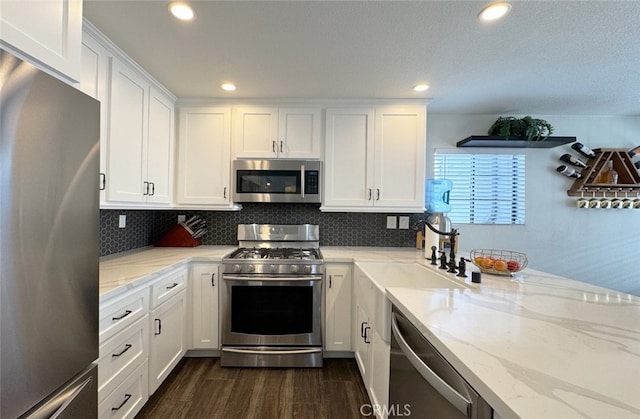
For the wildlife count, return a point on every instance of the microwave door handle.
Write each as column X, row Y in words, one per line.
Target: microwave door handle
column 456, row 399
column 302, row 180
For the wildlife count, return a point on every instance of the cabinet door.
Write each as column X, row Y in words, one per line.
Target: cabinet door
column 159, row 148
column 256, row 132
column 338, row 307
column 48, row 31
column 361, row 337
column 380, row 353
column 348, row 159
column 167, row 345
column 127, row 133
column 400, row 136
column 204, row 309
column 204, row 165
column 299, row 133
column 93, row 81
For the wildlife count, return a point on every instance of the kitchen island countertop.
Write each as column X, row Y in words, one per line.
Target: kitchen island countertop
column 534, row 345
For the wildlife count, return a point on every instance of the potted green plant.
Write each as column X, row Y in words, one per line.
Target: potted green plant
column 532, row 129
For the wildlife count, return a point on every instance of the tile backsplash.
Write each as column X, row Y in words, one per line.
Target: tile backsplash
column 146, row 227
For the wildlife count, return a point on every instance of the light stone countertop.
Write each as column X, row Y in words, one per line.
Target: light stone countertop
column 534, row 346
column 537, row 345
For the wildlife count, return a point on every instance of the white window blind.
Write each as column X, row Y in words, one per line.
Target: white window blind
column 487, row 188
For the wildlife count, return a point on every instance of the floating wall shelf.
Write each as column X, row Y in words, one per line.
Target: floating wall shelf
column 628, row 176
column 501, row 142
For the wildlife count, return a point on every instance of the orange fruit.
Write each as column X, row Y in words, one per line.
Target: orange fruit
column 500, row 265
column 487, row 263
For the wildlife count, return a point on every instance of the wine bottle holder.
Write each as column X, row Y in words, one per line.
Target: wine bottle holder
column 628, row 186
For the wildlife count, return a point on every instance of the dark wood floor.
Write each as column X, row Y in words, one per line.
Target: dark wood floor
column 200, row 388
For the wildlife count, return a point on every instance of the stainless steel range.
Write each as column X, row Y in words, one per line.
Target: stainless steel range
column 271, row 301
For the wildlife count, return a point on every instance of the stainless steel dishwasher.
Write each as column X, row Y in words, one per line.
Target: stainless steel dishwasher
column 422, row 383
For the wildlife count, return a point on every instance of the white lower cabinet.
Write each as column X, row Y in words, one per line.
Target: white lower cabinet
column 128, row 398
column 123, row 354
column 337, row 307
column 371, row 351
column 205, row 282
column 167, row 343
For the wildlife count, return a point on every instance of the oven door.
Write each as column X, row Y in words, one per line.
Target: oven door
column 271, row 311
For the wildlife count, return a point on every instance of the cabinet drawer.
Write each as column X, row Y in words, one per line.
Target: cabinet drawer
column 128, row 398
column 168, row 286
column 117, row 314
column 122, row 354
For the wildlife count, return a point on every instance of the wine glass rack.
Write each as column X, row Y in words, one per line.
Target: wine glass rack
column 628, row 176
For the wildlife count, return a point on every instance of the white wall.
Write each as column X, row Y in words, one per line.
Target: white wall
column 599, row 246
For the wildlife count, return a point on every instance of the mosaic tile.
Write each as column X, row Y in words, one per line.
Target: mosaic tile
column 146, row 227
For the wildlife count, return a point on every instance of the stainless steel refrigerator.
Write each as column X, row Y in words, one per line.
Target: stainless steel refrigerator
column 49, row 163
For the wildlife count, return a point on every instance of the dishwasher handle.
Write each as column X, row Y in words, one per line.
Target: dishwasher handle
column 445, row 390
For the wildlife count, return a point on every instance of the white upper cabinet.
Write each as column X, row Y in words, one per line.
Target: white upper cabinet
column 160, row 146
column 140, row 141
column 204, row 156
column 277, row 133
column 348, row 158
column 93, row 82
column 375, row 159
column 399, row 161
column 48, row 33
column 128, row 98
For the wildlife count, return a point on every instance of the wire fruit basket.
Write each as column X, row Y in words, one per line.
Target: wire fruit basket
column 498, row 262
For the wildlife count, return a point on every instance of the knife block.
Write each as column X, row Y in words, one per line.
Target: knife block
column 179, row 236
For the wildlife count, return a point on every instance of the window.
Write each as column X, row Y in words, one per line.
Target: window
column 487, row 188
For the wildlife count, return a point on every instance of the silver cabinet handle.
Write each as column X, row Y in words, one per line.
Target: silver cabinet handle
column 302, row 180
column 213, row 280
column 159, row 327
column 103, row 181
column 283, row 352
column 460, row 402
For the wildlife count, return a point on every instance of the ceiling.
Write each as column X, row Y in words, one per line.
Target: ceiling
column 544, row 58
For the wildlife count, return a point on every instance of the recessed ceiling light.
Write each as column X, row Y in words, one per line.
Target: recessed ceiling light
column 182, row 11
column 420, row 87
column 229, row 87
column 494, row 11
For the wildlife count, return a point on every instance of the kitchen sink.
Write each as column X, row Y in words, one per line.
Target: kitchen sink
column 407, row 275
column 383, row 275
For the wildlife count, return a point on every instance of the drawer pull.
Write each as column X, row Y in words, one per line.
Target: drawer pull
column 213, row 280
column 175, row 284
column 126, row 313
column 126, row 348
column 126, row 399
column 159, row 328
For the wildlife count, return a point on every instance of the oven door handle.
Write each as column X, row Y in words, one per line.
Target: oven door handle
column 302, row 181
column 283, row 352
column 252, row 278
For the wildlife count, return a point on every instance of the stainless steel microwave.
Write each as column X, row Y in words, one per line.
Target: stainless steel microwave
column 275, row 180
